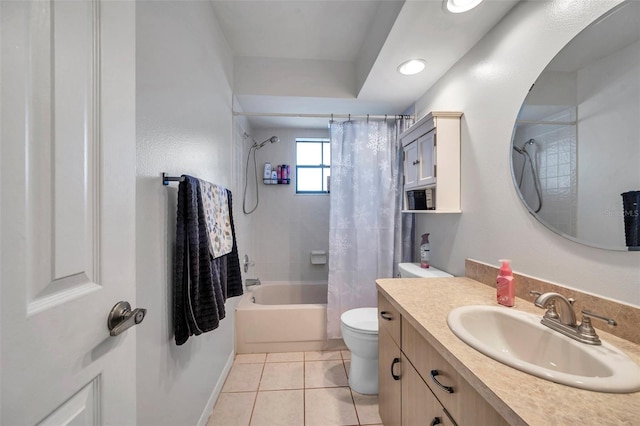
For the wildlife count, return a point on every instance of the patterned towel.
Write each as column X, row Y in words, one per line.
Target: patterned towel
column 218, row 220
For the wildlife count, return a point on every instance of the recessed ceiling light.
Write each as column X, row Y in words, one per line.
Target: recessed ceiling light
column 460, row 6
column 412, row 66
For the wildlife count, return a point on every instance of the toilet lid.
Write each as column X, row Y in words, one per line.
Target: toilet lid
column 362, row 319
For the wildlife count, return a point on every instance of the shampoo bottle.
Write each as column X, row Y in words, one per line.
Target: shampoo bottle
column 504, row 284
column 424, row 251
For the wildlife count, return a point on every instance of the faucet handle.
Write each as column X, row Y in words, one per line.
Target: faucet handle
column 587, row 332
column 588, row 314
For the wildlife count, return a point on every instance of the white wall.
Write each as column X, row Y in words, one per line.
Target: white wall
column 489, row 85
column 184, row 126
column 286, row 226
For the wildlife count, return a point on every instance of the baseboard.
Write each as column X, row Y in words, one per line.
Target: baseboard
column 216, row 391
column 315, row 345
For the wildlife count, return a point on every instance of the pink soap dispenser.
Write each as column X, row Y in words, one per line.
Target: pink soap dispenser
column 504, row 284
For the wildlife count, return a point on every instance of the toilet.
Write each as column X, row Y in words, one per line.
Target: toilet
column 360, row 334
column 413, row 270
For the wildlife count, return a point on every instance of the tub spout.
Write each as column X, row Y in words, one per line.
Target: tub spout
column 250, row 282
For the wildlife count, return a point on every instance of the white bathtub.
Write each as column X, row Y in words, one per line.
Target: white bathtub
column 284, row 317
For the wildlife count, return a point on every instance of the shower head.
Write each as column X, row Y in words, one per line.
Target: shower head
column 524, row 146
column 272, row 139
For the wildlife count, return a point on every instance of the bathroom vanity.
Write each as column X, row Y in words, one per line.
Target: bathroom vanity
column 429, row 376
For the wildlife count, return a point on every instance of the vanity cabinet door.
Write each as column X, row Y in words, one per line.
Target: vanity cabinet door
column 465, row 405
column 389, row 380
column 419, row 406
column 388, row 318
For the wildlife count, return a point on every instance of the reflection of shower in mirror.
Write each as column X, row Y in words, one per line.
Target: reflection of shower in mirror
column 533, row 167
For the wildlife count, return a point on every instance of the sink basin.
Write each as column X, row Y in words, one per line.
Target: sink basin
column 517, row 339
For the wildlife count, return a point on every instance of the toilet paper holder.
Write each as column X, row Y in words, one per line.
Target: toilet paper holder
column 318, row 257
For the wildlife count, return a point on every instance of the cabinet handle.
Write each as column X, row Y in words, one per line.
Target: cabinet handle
column 386, row 315
column 433, row 374
column 435, row 421
column 394, row 362
column 416, row 162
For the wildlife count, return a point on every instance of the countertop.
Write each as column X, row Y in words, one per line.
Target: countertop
column 425, row 303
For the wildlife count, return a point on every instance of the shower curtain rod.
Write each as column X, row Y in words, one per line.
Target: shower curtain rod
column 329, row 116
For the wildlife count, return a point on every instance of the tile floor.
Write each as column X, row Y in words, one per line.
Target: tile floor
column 294, row 388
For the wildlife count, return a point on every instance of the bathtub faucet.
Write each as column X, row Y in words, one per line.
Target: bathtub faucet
column 250, row 282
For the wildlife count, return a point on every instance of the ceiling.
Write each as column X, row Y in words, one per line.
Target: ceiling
column 340, row 57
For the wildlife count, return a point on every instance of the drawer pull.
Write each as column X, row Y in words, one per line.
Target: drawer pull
column 386, row 315
column 435, row 421
column 394, row 362
column 433, row 374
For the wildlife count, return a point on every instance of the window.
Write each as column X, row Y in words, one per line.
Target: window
column 313, row 161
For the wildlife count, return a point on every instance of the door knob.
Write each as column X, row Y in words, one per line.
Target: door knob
column 122, row 317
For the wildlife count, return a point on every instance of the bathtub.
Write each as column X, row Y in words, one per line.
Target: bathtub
column 284, row 317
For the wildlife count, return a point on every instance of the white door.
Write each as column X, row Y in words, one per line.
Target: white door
column 67, row 212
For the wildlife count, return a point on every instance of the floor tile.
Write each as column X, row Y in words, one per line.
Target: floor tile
column 322, row 355
column 345, row 354
column 250, row 358
column 284, row 407
column 367, row 408
column 324, row 374
column 329, row 406
column 282, row 375
column 243, row 378
column 347, row 366
column 285, row 356
column 232, row 409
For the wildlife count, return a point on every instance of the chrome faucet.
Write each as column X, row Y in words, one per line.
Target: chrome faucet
column 562, row 312
column 562, row 318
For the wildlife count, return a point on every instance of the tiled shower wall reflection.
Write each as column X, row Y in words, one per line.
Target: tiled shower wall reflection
column 554, row 153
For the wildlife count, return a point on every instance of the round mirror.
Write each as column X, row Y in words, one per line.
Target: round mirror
column 575, row 153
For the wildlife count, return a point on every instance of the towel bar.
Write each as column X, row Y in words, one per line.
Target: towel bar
column 166, row 179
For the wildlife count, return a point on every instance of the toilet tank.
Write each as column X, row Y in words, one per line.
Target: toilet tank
column 413, row 270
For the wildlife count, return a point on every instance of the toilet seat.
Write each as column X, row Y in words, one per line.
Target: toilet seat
column 361, row 320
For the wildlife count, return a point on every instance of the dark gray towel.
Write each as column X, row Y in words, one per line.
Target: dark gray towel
column 201, row 284
column 234, row 278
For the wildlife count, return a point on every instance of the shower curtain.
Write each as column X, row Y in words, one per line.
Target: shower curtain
column 365, row 221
